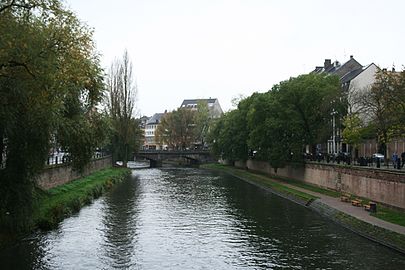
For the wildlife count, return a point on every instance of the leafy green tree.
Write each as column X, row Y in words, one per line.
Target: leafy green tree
column 202, row 122
column 125, row 137
column 229, row 135
column 353, row 132
column 275, row 126
column 309, row 101
column 50, row 84
column 177, row 129
column 383, row 104
column 399, row 99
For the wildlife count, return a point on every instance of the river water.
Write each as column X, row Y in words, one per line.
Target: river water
column 183, row 218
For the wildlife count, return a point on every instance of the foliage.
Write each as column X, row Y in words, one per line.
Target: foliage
column 353, row 131
column 177, row 129
column 120, row 102
column 309, row 101
column 229, row 135
column 50, row 83
column 54, row 204
column 275, row 126
column 384, row 105
column 185, row 127
column 202, row 122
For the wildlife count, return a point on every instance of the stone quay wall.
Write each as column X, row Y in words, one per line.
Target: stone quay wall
column 61, row 174
column 387, row 187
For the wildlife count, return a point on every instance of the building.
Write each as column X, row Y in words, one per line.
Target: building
column 150, row 142
column 354, row 78
column 142, row 126
column 214, row 108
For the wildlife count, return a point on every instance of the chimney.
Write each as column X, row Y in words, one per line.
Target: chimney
column 327, row 63
column 351, row 57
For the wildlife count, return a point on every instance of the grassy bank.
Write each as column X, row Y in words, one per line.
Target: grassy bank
column 381, row 235
column 53, row 205
column 308, row 186
column 390, row 215
column 261, row 180
column 384, row 212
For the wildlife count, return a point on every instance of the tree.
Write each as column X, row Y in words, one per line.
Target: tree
column 50, row 84
column 177, row 129
column 353, row 130
column 202, row 122
column 384, row 105
column 275, row 126
column 229, row 135
column 121, row 99
column 309, row 100
column 399, row 97
column 271, row 133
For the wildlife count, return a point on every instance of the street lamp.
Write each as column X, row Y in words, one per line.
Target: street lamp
column 334, row 131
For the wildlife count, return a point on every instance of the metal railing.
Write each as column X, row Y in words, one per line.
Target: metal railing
column 364, row 162
column 62, row 158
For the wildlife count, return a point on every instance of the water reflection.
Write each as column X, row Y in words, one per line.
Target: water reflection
column 119, row 224
column 176, row 218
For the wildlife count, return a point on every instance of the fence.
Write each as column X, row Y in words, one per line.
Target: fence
column 372, row 162
column 62, row 157
column 53, row 176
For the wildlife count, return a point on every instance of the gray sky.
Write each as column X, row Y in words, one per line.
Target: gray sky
column 183, row 49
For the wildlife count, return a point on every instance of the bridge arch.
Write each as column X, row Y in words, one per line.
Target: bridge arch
column 156, row 157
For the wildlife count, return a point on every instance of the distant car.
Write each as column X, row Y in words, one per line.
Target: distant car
column 378, row 156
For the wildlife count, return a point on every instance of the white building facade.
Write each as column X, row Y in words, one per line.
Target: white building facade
column 150, row 132
column 355, row 79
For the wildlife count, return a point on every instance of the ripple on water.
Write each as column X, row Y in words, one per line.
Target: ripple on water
column 182, row 218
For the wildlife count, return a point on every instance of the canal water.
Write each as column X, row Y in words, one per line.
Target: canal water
column 183, row 218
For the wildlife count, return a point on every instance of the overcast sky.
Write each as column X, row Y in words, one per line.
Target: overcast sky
column 184, row 49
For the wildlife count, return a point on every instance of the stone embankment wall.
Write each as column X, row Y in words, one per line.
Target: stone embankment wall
column 382, row 186
column 60, row 174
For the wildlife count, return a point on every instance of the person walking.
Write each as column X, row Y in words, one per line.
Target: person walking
column 394, row 159
column 403, row 159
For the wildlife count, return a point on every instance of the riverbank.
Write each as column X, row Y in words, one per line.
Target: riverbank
column 327, row 203
column 56, row 203
column 53, row 205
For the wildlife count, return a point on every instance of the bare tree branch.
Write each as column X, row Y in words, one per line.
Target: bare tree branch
column 17, row 64
column 22, row 5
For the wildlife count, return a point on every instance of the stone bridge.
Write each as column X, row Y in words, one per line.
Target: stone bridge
column 157, row 156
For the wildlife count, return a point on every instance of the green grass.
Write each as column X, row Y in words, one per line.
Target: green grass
column 380, row 234
column 53, row 205
column 390, row 215
column 261, row 180
column 292, row 182
column 311, row 187
column 385, row 213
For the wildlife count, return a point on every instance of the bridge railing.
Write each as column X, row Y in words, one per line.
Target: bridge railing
column 191, row 151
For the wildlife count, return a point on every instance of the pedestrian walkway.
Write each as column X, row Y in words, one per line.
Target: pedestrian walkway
column 371, row 166
column 347, row 208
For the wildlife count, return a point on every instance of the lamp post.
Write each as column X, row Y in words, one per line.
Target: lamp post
column 334, row 131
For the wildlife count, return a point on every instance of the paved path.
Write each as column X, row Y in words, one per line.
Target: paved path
column 348, row 208
column 390, row 168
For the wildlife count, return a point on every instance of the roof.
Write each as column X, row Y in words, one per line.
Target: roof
column 351, row 75
column 348, row 67
column 330, row 69
column 155, row 119
column 196, row 101
column 345, row 72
